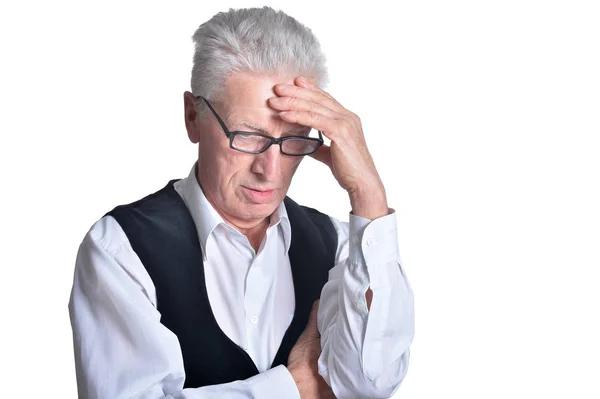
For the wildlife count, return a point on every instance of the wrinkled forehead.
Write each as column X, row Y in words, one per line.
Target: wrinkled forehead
column 251, row 90
column 245, row 102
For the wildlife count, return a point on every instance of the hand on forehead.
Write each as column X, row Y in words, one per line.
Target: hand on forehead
column 246, row 104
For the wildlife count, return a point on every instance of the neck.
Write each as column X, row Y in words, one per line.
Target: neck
column 255, row 233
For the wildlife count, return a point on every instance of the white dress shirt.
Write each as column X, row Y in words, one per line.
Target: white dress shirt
column 123, row 351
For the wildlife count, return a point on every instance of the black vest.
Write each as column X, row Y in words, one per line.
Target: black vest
column 163, row 235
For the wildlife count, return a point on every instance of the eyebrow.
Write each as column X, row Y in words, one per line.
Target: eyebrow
column 265, row 131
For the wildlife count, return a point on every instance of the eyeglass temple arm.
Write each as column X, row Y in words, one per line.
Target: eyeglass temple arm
column 225, row 130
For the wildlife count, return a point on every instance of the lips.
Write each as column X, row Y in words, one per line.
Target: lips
column 260, row 190
column 259, row 195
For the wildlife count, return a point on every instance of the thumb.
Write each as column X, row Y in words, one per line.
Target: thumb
column 323, row 154
column 311, row 327
column 313, row 312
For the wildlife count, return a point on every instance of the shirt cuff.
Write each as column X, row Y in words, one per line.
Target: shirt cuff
column 274, row 383
column 373, row 241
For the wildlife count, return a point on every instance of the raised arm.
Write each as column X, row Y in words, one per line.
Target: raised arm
column 366, row 309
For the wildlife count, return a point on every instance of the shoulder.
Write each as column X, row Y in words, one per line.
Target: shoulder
column 167, row 194
column 298, row 212
column 107, row 234
column 312, row 213
column 106, row 260
column 106, row 237
column 337, row 230
column 316, row 215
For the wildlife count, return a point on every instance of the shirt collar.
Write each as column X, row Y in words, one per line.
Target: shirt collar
column 280, row 216
column 206, row 218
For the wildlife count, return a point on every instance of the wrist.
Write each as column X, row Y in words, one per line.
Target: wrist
column 369, row 202
column 301, row 376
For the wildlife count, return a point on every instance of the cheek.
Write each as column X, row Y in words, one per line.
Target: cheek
column 234, row 168
column 218, row 162
column 214, row 148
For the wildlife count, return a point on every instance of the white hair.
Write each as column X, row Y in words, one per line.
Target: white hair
column 255, row 40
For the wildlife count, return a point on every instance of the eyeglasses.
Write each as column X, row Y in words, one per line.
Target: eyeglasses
column 256, row 143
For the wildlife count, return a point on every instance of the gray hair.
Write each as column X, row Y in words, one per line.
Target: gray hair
column 255, row 40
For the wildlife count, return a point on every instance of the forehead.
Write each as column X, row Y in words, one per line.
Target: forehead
column 252, row 90
column 245, row 100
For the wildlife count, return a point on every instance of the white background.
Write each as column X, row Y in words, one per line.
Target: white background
column 483, row 118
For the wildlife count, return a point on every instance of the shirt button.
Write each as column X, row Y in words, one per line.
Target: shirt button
column 254, row 319
column 371, row 242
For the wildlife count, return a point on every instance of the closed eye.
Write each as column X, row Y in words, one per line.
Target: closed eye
column 300, row 133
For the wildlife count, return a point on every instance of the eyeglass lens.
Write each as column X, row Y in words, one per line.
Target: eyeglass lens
column 257, row 144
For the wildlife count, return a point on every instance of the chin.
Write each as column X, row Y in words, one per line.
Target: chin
column 257, row 211
column 257, row 200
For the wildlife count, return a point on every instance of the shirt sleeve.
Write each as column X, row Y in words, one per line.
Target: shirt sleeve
column 121, row 348
column 365, row 352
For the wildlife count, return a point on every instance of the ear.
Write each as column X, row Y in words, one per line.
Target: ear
column 190, row 115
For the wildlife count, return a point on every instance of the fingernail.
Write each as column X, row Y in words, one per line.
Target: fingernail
column 305, row 81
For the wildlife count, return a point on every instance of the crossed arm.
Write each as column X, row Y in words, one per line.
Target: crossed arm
column 123, row 351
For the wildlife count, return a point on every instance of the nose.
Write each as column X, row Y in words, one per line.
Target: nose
column 268, row 164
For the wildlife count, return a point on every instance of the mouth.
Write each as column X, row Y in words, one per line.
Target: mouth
column 259, row 195
column 260, row 190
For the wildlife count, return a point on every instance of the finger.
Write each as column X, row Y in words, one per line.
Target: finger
column 317, row 96
column 309, row 84
column 315, row 120
column 323, row 154
column 311, row 331
column 304, row 82
column 315, row 308
column 300, row 104
column 312, row 319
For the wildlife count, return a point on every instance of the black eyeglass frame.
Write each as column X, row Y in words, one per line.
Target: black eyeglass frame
column 273, row 140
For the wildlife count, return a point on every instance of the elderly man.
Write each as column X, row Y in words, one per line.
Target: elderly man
column 220, row 286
